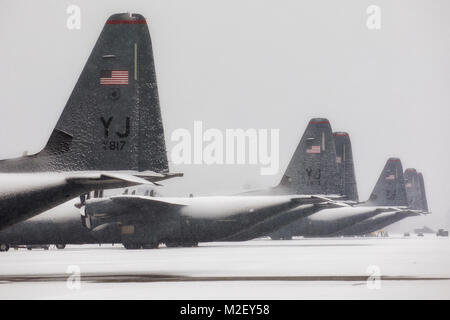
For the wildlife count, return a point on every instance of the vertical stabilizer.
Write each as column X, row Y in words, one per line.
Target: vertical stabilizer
column 346, row 169
column 112, row 120
column 413, row 192
column 313, row 168
column 390, row 187
column 424, row 201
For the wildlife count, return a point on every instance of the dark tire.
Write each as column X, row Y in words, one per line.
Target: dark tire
column 60, row 246
column 131, row 246
column 153, row 245
column 46, row 247
column 29, row 248
column 181, row 244
column 4, row 247
column 170, row 244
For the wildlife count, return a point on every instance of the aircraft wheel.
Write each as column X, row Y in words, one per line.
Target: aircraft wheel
column 275, row 238
column 46, row 247
column 29, row 248
column 170, row 244
column 153, row 245
column 131, row 246
column 60, row 246
column 4, row 247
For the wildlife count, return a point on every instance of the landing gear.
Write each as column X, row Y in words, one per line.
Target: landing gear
column 281, row 237
column 60, row 246
column 131, row 246
column 153, row 245
column 4, row 247
column 170, row 244
column 135, row 246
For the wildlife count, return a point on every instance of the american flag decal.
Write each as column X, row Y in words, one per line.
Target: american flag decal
column 313, row 149
column 114, row 77
column 391, row 177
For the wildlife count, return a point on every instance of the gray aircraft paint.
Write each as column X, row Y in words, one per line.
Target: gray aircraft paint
column 103, row 127
column 424, row 205
column 388, row 191
column 313, row 168
column 413, row 202
column 345, row 164
column 376, row 223
column 413, row 190
column 100, row 117
column 308, row 172
column 390, row 187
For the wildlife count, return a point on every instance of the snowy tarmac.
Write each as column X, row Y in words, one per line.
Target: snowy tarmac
column 335, row 268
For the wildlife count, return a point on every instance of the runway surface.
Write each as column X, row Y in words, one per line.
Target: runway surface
column 343, row 268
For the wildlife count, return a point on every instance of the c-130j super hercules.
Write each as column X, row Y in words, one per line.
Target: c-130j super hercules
column 109, row 134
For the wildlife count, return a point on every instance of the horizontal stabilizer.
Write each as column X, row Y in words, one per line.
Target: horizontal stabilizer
column 112, row 180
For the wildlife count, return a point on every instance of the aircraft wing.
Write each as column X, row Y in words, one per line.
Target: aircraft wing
column 107, row 178
column 162, row 206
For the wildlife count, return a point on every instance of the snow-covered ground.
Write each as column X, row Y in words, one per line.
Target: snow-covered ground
column 258, row 269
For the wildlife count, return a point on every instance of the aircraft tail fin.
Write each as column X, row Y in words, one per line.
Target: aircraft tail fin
column 413, row 193
column 424, row 202
column 390, row 187
column 313, row 168
column 112, row 120
column 415, row 190
column 345, row 164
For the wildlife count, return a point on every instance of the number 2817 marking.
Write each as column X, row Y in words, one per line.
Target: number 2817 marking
column 114, row 145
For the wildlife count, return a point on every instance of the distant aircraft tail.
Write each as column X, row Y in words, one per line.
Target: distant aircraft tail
column 313, row 168
column 415, row 190
column 390, row 187
column 112, row 120
column 345, row 165
column 424, row 201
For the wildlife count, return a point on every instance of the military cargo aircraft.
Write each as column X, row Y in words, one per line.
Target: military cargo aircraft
column 388, row 195
column 109, row 134
column 416, row 204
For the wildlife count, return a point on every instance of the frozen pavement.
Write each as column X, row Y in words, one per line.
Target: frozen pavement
column 401, row 268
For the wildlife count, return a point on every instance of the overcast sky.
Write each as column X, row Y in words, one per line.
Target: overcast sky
column 255, row 64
